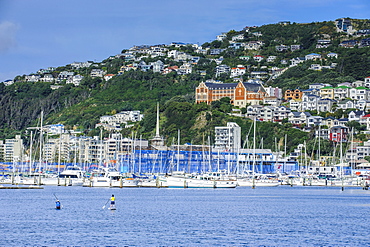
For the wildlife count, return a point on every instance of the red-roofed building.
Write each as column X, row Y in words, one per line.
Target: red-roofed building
column 238, row 71
column 170, row 69
column 258, row 58
column 108, row 77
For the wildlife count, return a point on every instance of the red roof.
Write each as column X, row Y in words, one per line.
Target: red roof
column 367, row 115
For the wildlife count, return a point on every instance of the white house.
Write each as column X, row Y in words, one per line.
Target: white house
column 184, row 69
column 295, row 105
column 271, row 59
column 107, row 77
column 258, row 58
column 309, row 102
column 355, row 115
column 237, row 71
column 221, row 37
column 313, row 121
column 298, row 118
column 312, row 56
column 75, row 80
column 332, row 55
column 237, row 37
column 47, row 78
column 97, row 73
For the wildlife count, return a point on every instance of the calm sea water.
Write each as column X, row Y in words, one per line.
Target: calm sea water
column 281, row 216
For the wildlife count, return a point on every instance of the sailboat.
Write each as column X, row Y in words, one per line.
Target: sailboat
column 256, row 180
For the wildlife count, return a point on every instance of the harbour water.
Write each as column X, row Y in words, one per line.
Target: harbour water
column 271, row 216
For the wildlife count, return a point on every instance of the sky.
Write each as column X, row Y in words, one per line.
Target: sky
column 43, row 33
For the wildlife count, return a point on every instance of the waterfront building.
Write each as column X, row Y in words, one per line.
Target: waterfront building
column 228, row 137
column 13, row 149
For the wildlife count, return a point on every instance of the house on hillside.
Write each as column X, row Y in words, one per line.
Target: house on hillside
column 281, row 48
column 75, row 80
column 355, row 115
column 323, row 43
column 258, row 58
column 97, row 73
column 332, row 55
column 293, row 94
column 170, row 69
column 32, row 78
column 157, row 66
column 348, row 43
column 239, row 70
column 313, row 121
column 47, row 78
column 107, row 77
column 253, row 45
column 271, row 59
column 222, row 68
column 298, row 118
column 313, row 56
column 296, row 61
column 237, row 37
column 295, row 47
column 309, row 102
column 338, row 134
column 327, row 93
column 221, row 37
column 346, row 104
column 325, row 105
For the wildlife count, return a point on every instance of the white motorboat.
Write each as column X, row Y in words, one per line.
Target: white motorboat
column 109, row 177
column 72, row 175
column 207, row 180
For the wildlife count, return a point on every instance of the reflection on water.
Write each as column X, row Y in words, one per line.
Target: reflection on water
column 275, row 216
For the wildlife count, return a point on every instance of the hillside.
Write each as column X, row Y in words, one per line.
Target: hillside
column 139, row 88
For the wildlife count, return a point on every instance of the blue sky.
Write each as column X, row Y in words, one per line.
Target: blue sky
column 42, row 33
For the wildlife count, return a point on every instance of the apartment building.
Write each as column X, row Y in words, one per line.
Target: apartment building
column 228, row 137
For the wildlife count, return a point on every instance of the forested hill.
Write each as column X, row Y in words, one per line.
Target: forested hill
column 80, row 107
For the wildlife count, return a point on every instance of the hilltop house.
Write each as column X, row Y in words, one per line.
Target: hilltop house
column 97, row 73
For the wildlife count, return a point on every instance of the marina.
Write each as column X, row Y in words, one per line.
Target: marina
column 266, row 216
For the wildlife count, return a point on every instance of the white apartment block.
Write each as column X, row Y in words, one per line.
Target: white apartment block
column 13, row 149
column 228, row 137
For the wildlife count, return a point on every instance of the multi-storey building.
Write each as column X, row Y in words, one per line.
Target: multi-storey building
column 267, row 113
column 228, row 137
column 338, row 134
column 293, row 94
column 327, row 93
column 358, row 93
column 241, row 93
column 13, row 149
column 341, row 92
column 309, row 102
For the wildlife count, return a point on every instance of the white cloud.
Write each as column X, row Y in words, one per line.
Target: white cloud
column 8, row 31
